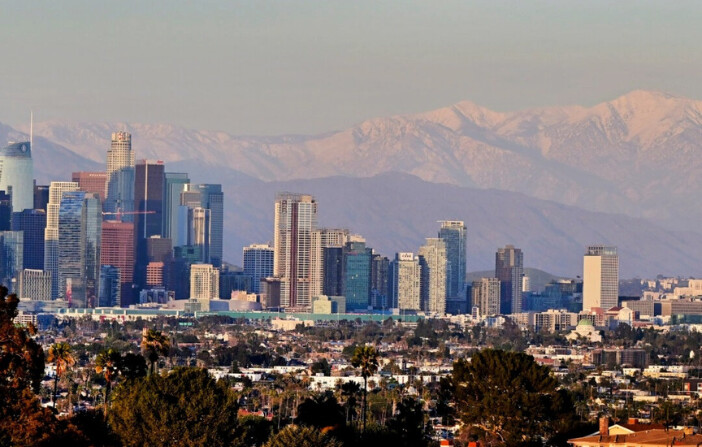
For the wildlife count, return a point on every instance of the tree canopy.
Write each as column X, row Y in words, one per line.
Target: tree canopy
column 506, row 398
column 184, row 408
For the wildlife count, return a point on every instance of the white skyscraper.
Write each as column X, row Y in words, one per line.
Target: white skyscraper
column 295, row 223
column 600, row 277
column 17, row 175
column 432, row 258
column 406, row 282
column 119, row 189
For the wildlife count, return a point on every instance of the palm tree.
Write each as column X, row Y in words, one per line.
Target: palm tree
column 107, row 363
column 365, row 358
column 61, row 356
column 153, row 345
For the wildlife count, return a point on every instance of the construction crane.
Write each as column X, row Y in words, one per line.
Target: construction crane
column 121, row 213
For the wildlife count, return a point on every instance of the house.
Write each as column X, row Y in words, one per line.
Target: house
column 635, row 434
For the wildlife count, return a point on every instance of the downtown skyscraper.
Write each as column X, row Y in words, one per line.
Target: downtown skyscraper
column 148, row 200
column 432, row 259
column 17, row 174
column 600, row 277
column 119, row 194
column 453, row 233
column 79, row 241
column 295, row 221
column 509, row 269
column 51, row 233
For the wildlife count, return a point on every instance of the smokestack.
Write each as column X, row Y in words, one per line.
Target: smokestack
column 604, row 426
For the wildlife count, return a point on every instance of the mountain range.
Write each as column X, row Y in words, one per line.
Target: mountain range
column 550, row 180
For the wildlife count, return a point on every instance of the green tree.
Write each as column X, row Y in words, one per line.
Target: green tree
column 506, row 398
column 321, row 366
column 296, row 436
column 61, row 355
column 132, row 366
column 409, row 424
column 321, row 411
column 253, row 431
column 366, row 359
column 185, row 408
column 107, row 363
column 154, row 345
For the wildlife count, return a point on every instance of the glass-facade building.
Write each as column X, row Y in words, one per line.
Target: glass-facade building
column 212, row 198
column 80, row 230
column 32, row 223
column 17, row 174
column 11, row 255
column 258, row 264
column 453, row 233
column 119, row 194
column 357, row 275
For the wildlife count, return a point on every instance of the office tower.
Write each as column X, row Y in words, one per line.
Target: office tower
column 175, row 183
column 176, row 277
column 200, row 230
column 41, row 197
column 119, row 192
column 357, row 275
column 212, row 198
column 333, row 271
column 92, row 182
column 5, row 211
column 432, row 258
column 486, row 296
column 110, row 291
column 158, row 249
column 204, row 281
column 154, row 274
column 509, row 269
column 406, row 288
column 117, row 250
column 600, row 277
column 35, row 285
column 380, row 266
column 32, row 223
column 11, row 258
column 148, row 202
column 230, row 280
column 17, row 175
column 322, row 239
column 51, row 234
column 258, row 264
column 79, row 243
column 453, row 233
column 295, row 221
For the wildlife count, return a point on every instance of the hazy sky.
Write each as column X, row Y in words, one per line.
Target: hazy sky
column 276, row 67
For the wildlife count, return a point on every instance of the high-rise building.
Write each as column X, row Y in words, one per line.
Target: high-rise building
column 35, row 285
column 509, row 269
column 175, row 184
column 406, row 281
column 333, row 271
column 295, row 221
column 212, row 198
column 154, row 274
column 92, row 182
column 453, row 233
column 600, row 277
column 11, row 258
column 119, row 192
column 379, row 281
column 117, row 250
column 204, row 281
column 148, row 201
column 51, row 234
column 258, row 264
column 486, row 296
column 176, row 276
column 357, row 275
column 159, row 249
column 32, row 223
column 17, row 174
column 5, row 211
column 79, row 243
column 432, row 258
column 110, row 290
column 200, row 220
column 41, row 197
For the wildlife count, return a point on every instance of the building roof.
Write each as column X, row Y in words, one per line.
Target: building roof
column 585, row 322
column 647, row 438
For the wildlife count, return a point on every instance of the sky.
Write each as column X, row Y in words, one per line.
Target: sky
column 297, row 67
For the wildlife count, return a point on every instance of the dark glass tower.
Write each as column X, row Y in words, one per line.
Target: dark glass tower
column 32, row 223
column 148, row 201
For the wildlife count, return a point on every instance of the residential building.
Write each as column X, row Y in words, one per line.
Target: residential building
column 432, row 258
column 35, row 285
column 258, row 264
column 204, row 281
column 406, row 286
column 453, row 233
column 486, row 296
